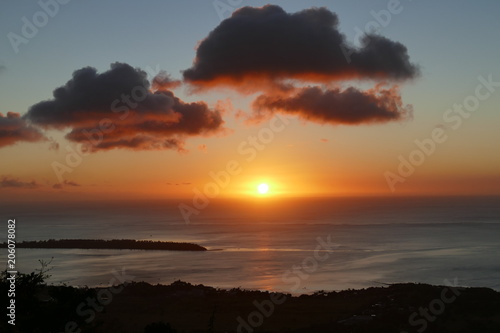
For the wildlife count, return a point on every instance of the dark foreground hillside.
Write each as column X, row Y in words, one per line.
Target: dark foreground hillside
column 182, row 307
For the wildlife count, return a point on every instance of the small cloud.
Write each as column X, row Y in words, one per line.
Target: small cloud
column 13, row 129
column 202, row 148
column 240, row 114
column 54, row 145
column 163, row 81
column 178, row 184
column 9, row 182
column 70, row 183
column 324, row 140
column 224, row 106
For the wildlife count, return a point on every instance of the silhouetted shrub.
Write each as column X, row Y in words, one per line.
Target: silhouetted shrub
column 42, row 308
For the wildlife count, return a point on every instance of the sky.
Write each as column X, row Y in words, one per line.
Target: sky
column 312, row 98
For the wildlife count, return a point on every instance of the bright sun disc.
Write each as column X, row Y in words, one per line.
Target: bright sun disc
column 263, row 188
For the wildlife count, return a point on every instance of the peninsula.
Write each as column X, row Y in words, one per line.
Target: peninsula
column 114, row 244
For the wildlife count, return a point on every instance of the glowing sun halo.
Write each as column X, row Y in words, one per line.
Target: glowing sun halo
column 263, row 188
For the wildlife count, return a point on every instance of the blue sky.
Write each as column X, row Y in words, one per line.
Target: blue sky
column 453, row 41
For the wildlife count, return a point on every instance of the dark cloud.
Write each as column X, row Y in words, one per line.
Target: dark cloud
column 9, row 182
column 14, row 129
column 121, row 109
column 267, row 43
column 54, row 145
column 60, row 186
column 71, row 183
column 163, row 81
column 350, row 106
column 279, row 54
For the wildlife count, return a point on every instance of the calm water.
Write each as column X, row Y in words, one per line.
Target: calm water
column 271, row 245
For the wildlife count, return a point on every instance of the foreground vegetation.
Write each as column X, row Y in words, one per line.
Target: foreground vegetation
column 183, row 307
column 41, row 308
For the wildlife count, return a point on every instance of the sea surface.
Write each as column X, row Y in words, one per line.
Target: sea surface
column 293, row 245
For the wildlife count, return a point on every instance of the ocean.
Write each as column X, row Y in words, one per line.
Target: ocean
column 292, row 245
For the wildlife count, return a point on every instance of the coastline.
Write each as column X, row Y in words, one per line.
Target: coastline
column 112, row 244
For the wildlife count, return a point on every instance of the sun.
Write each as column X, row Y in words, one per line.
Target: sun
column 263, row 188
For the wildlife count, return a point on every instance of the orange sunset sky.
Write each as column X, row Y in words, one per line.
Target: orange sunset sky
column 288, row 94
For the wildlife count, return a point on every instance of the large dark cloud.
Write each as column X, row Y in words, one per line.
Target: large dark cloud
column 268, row 43
column 280, row 54
column 14, row 129
column 120, row 109
column 350, row 106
